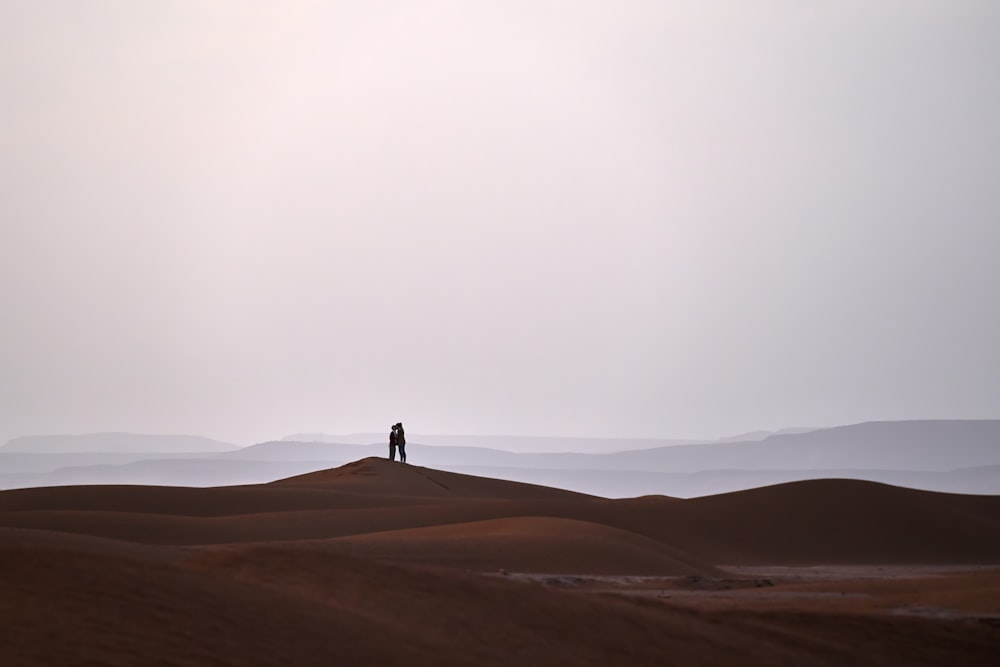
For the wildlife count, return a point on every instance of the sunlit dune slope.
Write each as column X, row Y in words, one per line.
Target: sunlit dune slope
column 380, row 476
column 527, row 544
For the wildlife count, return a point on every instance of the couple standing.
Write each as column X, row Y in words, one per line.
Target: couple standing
column 397, row 439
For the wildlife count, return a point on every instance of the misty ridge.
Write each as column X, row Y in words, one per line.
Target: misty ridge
column 958, row 456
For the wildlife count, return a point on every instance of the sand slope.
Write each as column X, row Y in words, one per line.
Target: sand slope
column 526, row 544
column 375, row 562
column 67, row 601
column 66, row 606
column 378, row 476
column 819, row 521
column 193, row 501
column 845, row 521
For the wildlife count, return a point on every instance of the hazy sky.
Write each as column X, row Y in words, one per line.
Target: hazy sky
column 244, row 219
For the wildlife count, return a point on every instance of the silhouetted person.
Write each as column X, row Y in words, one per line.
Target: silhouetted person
column 401, row 442
column 393, row 441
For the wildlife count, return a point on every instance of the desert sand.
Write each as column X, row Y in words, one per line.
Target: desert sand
column 378, row 562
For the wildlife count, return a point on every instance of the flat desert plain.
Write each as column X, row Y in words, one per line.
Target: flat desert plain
column 381, row 563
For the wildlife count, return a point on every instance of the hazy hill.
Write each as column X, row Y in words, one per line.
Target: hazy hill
column 288, row 450
column 939, row 455
column 511, row 443
column 535, row 444
column 908, row 445
column 114, row 442
column 929, row 445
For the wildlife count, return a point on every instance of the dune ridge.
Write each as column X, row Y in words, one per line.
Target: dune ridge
column 373, row 475
column 817, row 522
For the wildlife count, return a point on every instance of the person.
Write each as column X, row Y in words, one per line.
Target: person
column 401, row 442
column 393, row 441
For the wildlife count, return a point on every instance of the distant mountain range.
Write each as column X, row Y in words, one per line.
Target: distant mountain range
column 114, row 442
column 519, row 443
column 942, row 455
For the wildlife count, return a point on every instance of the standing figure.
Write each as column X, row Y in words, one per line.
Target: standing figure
column 401, row 442
column 393, row 441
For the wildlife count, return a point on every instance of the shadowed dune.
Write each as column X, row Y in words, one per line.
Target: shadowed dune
column 193, row 501
column 845, row 521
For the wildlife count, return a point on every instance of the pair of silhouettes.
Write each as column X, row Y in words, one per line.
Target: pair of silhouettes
column 397, row 440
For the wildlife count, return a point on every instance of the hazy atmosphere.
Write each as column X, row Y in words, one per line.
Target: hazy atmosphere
column 640, row 219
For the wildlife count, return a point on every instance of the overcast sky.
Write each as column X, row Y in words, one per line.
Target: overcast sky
column 682, row 219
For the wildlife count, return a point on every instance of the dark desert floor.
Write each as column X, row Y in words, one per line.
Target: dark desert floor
column 383, row 563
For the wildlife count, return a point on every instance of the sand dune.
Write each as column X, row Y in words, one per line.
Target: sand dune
column 526, row 544
column 379, row 476
column 265, row 605
column 376, row 562
column 814, row 522
column 845, row 521
column 26, row 541
column 191, row 501
column 67, row 607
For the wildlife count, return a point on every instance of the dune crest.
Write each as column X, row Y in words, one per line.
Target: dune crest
column 381, row 476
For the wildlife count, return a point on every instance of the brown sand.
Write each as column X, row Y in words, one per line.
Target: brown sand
column 966, row 592
column 381, row 563
column 526, row 544
column 818, row 522
column 377, row 476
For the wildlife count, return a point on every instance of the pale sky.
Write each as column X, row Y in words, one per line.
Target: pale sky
column 244, row 219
